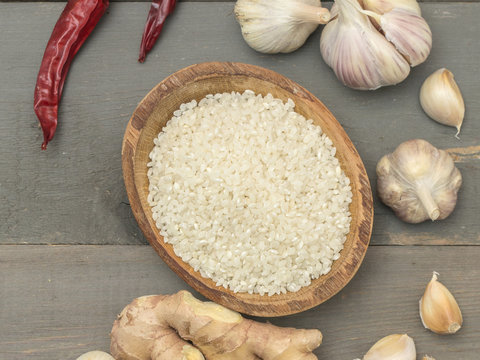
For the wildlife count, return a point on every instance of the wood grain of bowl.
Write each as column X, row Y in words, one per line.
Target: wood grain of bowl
column 195, row 82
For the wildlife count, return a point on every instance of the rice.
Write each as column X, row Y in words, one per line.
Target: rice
column 249, row 193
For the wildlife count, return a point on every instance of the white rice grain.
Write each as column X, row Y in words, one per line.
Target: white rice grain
column 249, row 193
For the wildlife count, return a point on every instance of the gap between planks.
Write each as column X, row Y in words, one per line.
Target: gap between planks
column 463, row 154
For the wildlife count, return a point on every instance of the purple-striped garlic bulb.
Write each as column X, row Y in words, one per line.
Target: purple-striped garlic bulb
column 368, row 49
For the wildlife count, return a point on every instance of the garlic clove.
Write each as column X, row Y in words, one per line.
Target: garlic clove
column 408, row 31
column 384, row 6
column 358, row 54
column 426, row 357
column 95, row 355
column 442, row 100
column 439, row 310
column 392, row 347
column 279, row 26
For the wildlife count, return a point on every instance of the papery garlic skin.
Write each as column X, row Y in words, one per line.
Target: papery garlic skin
column 384, row 6
column 409, row 32
column 358, row 54
column 279, row 26
column 96, row 355
column 334, row 11
column 439, row 310
column 441, row 99
column 392, row 347
column 418, row 181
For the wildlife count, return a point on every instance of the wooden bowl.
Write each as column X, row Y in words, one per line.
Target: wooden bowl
column 195, row 82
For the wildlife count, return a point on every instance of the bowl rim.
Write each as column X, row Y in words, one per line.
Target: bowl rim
column 276, row 305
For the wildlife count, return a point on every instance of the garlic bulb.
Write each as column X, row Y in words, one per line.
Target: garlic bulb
column 408, row 31
column 281, row 25
column 384, row 6
column 439, row 310
column 392, row 347
column 95, row 355
column 442, row 100
column 418, row 181
column 359, row 55
column 364, row 58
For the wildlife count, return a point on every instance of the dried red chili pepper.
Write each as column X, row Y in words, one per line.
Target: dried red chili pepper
column 159, row 10
column 73, row 27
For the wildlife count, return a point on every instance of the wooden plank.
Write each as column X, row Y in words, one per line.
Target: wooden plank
column 74, row 193
column 60, row 301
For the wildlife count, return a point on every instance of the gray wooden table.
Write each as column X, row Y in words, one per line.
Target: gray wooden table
column 71, row 253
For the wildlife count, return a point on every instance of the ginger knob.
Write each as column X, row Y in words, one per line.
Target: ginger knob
column 180, row 327
column 418, row 181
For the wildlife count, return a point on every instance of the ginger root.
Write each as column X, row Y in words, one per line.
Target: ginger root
column 180, row 327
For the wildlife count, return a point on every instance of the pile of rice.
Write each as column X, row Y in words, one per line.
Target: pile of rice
column 249, row 193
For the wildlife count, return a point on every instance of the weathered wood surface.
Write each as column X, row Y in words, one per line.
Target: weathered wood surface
column 73, row 193
column 60, row 301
